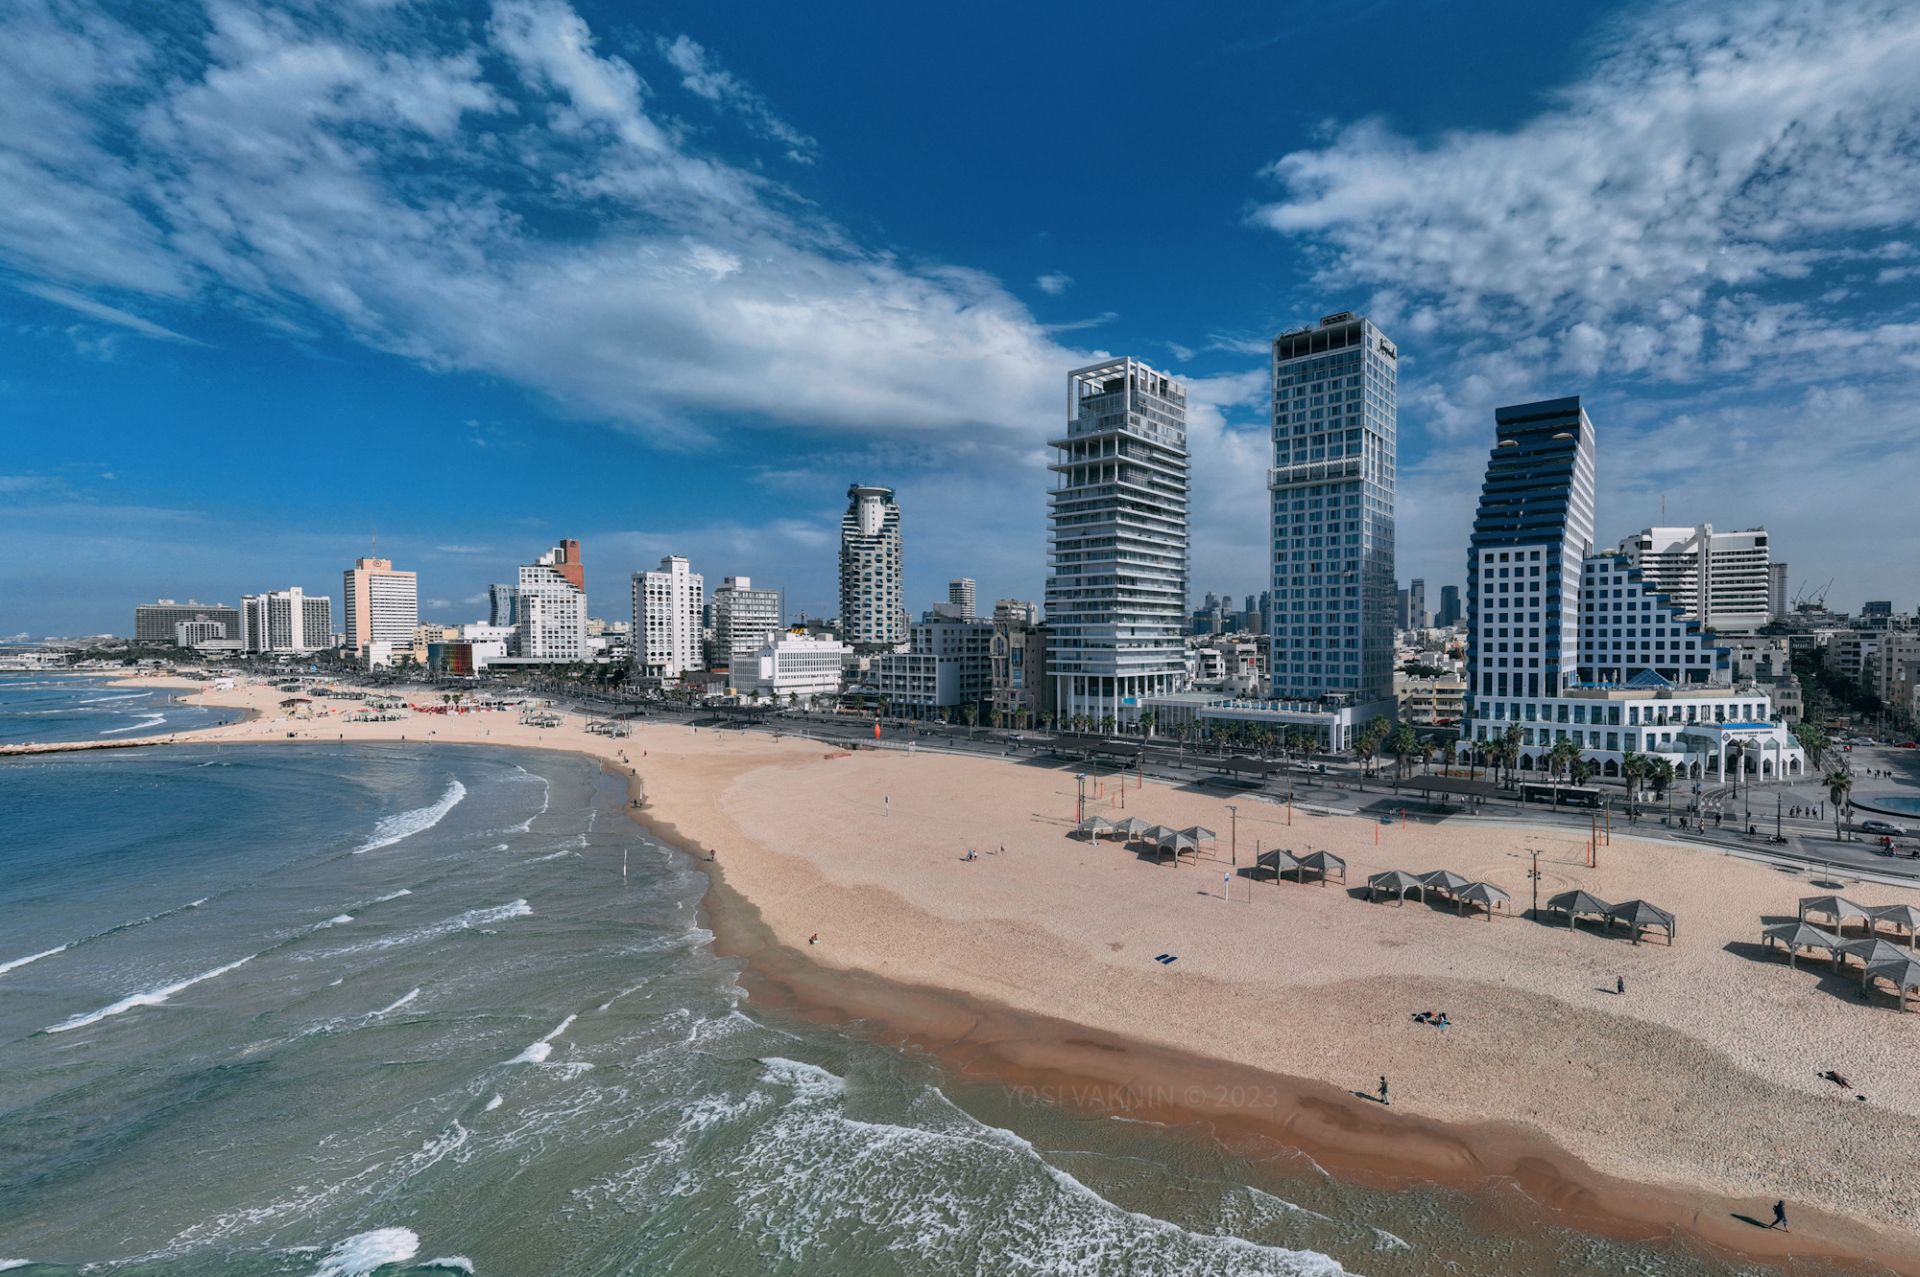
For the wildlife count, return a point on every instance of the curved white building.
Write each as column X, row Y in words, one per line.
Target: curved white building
column 873, row 616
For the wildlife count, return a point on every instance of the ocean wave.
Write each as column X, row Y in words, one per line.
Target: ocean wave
column 338, row 920
column 145, row 998
column 546, row 797
column 452, row 1263
column 107, row 700
column 391, row 829
column 446, row 926
column 151, row 720
column 391, row 1007
column 33, row 957
column 539, row 1051
column 495, row 1103
column 361, row 1254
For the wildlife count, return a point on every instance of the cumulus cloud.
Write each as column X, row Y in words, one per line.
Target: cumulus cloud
column 1053, row 283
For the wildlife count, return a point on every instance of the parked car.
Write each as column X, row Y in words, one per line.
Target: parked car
column 1883, row 827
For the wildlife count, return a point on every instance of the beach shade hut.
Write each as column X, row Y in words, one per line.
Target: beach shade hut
column 1484, row 894
column 1324, row 863
column 1868, row 952
column 1902, row 971
column 1395, row 881
column 1280, row 862
column 1154, row 833
column 1199, row 833
column 1838, row 908
column 1445, row 881
column 1575, row 903
column 1642, row 915
column 1177, row 843
column 1130, row 828
column 1094, row 826
column 1795, row 936
column 1900, row 917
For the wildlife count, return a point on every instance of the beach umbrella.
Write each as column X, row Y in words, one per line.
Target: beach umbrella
column 1902, row 971
column 1199, row 833
column 1324, row 863
column 1901, row 917
column 1839, row 908
column 1575, row 903
column 1445, row 880
column 1794, row 936
column 1484, row 894
column 1395, row 881
column 1642, row 915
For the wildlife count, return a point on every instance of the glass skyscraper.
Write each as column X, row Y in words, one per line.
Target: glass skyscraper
column 1332, row 485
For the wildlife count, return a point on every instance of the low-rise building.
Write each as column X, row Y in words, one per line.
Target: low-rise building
column 1021, row 692
column 1437, row 701
column 948, row 665
column 790, row 666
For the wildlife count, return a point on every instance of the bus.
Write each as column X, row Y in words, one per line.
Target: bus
column 1565, row 795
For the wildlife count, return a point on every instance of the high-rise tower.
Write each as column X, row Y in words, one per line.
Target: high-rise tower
column 1332, row 485
column 872, row 615
column 1117, row 594
column 383, row 606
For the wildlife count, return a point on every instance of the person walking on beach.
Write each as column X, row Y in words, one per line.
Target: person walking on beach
column 1780, row 1217
column 1383, row 1091
column 1619, row 986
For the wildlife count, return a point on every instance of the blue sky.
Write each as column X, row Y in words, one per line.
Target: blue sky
column 668, row 277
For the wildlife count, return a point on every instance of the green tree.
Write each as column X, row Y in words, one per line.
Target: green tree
column 1839, row 787
column 1147, row 719
column 970, row 712
column 1402, row 744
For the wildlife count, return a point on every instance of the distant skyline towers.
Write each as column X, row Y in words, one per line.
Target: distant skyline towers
column 960, row 593
column 382, row 605
column 873, row 614
column 551, row 606
column 1117, row 588
column 1418, row 618
column 1332, row 485
column 666, row 619
column 1449, row 607
column 1531, row 536
column 502, row 605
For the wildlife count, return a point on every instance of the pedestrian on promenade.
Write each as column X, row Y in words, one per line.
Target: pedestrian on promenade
column 1383, row 1091
column 1780, row 1217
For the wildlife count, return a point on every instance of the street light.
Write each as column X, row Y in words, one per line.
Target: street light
column 1233, row 832
column 1080, row 800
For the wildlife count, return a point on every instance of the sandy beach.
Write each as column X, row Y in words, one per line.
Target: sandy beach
column 1674, row 1108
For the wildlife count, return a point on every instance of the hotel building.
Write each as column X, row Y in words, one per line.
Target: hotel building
column 783, row 666
column 873, row 617
column 1724, row 580
column 666, row 619
column 551, row 607
column 960, row 593
column 382, row 606
column 1569, row 645
column 743, row 618
column 1117, row 593
column 286, row 623
column 159, row 622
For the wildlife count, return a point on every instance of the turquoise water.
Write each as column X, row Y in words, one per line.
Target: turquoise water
column 338, row 1010
column 68, row 707
column 1902, row 803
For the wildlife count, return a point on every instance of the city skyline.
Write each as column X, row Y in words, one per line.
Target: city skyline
column 1770, row 329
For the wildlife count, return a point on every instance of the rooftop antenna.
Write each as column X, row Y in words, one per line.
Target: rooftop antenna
column 373, row 534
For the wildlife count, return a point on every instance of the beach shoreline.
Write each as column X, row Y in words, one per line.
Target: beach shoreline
column 725, row 791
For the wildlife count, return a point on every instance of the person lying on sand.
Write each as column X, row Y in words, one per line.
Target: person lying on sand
column 1836, row 1079
column 1423, row 1017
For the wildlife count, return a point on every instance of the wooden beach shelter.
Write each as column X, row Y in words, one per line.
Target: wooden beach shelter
column 1093, row 827
column 1642, row 915
column 1902, row 971
column 1900, row 917
column 1795, row 936
column 1575, row 903
column 1445, row 881
column 1838, row 908
column 1484, row 894
column 1397, row 882
column 1324, row 863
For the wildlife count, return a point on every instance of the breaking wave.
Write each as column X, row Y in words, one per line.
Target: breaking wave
column 391, row 829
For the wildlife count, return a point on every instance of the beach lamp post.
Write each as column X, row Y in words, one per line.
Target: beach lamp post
column 1533, row 876
column 1080, row 799
column 1233, row 832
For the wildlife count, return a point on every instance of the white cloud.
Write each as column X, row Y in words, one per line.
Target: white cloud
column 702, row 75
column 106, row 314
column 1053, row 283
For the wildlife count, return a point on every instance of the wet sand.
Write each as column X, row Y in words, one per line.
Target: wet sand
column 1667, row 1113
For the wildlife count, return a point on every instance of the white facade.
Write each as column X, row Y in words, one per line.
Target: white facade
column 382, row 605
column 1724, row 580
column 1117, row 591
column 286, row 622
column 960, row 593
column 803, row 665
column 872, row 615
column 666, row 619
column 948, row 664
column 744, row 618
column 550, row 607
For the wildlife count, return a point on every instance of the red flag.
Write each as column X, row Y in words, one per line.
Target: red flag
column 876, row 729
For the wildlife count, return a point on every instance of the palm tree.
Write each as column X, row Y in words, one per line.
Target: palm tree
column 1634, row 768
column 1839, row 785
column 1512, row 741
column 1147, row 719
column 1365, row 746
column 1402, row 744
column 971, row 713
column 1559, row 759
column 1106, row 724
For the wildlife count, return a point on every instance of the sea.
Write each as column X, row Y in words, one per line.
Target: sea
column 403, row 1009
column 37, row 706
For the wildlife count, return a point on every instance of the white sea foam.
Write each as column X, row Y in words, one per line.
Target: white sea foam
column 146, row 998
column 391, row 829
column 495, row 1103
column 554, row 855
column 151, row 720
column 1390, row 1242
column 397, row 1004
column 446, row 926
column 338, row 920
column 452, row 1263
column 361, row 1254
column 391, row 895
column 32, row 957
column 539, row 1051
column 5, row 1264
column 546, row 798
column 107, row 700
